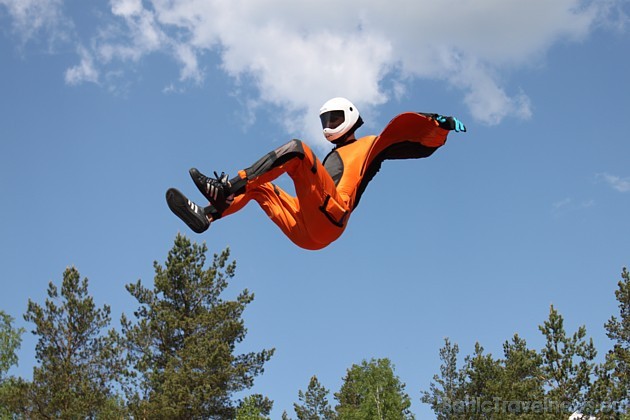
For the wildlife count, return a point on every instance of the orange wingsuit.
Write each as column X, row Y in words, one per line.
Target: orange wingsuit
column 328, row 192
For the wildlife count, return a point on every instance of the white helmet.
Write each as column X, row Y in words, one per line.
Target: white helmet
column 339, row 118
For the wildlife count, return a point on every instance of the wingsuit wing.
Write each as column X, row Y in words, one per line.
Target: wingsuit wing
column 408, row 135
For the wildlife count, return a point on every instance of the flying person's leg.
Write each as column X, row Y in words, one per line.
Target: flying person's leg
column 312, row 220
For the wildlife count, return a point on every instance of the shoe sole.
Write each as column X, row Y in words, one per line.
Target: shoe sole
column 180, row 205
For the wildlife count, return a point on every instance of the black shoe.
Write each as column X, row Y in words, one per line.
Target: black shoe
column 216, row 190
column 193, row 215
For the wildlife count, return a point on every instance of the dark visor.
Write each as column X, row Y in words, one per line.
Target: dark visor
column 332, row 119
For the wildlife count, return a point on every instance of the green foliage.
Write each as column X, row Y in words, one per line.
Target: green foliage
column 613, row 376
column 618, row 330
column 177, row 359
column 524, row 383
column 13, row 401
column 482, row 372
column 567, row 361
column 473, row 390
column 522, row 374
column 514, row 378
column 181, row 346
column 10, row 340
column 447, row 387
column 78, row 363
column 314, row 403
column 254, row 407
column 371, row 390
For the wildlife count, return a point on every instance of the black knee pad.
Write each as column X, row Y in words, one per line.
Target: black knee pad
column 283, row 154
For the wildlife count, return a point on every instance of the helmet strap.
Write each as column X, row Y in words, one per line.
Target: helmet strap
column 341, row 140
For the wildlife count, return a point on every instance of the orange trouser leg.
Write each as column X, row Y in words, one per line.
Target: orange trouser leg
column 282, row 208
column 301, row 218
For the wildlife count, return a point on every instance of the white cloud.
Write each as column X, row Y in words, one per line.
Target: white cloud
column 486, row 100
column 140, row 35
column 562, row 203
column 188, row 59
column 298, row 54
column 85, row 71
column 30, row 17
column 568, row 204
column 618, row 183
column 126, row 8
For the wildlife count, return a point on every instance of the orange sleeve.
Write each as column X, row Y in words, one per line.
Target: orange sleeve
column 407, row 136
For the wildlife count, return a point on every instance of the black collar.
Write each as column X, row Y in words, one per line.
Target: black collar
column 337, row 146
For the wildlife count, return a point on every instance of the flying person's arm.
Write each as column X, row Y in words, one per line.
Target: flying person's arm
column 411, row 135
column 447, row 123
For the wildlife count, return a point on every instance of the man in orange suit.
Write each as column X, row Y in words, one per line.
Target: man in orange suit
column 326, row 192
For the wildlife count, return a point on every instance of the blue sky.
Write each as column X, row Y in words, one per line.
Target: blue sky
column 105, row 106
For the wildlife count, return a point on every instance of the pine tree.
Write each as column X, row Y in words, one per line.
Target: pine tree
column 181, row 346
column 485, row 387
column 521, row 381
column 567, row 362
column 548, row 384
column 78, row 366
column 523, row 371
column 611, row 391
column 371, row 390
column 314, row 403
column 483, row 375
column 254, row 407
column 447, row 387
column 10, row 340
column 618, row 330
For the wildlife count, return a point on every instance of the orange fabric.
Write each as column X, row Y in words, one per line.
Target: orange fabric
column 413, row 127
column 300, row 217
column 319, row 213
column 406, row 127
